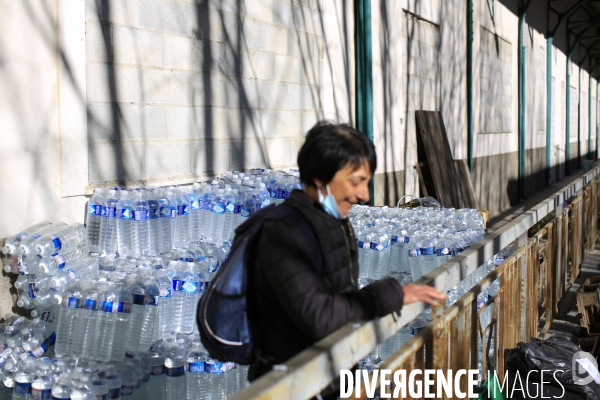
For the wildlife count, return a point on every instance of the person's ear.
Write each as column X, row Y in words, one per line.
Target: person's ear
column 318, row 183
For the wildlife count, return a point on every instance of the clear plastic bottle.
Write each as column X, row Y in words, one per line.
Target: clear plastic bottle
column 182, row 223
column 156, row 384
column 195, row 377
column 113, row 380
column 264, row 195
column 67, row 319
column 49, row 265
column 11, row 244
column 194, row 204
column 62, row 388
column 217, row 223
column 138, row 293
column 84, row 338
column 121, row 322
column 215, row 378
column 232, row 210
column 248, row 205
column 128, row 378
column 428, row 257
column 83, row 268
column 108, row 225
column 124, row 224
column 153, row 222
column 192, row 288
column 105, row 323
column 63, row 239
column 27, row 245
column 140, row 239
column 175, row 371
column 94, row 218
column 168, row 213
column 23, row 377
column 414, row 256
column 41, row 388
column 165, row 305
column 82, row 389
column 206, row 204
column 150, row 317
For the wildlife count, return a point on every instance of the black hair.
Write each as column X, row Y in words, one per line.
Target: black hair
column 331, row 147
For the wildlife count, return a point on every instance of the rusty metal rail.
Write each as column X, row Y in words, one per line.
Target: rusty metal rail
column 532, row 282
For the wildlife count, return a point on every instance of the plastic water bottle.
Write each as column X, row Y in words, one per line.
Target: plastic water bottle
column 63, row 239
column 153, row 222
column 105, row 323
column 121, row 322
column 195, row 377
column 108, row 224
column 206, row 204
column 99, row 385
column 23, row 377
column 150, row 317
column 156, row 385
column 398, row 252
column 132, row 337
column 27, row 245
column 62, row 388
column 49, row 265
column 168, row 213
column 83, row 268
column 12, row 242
column 443, row 249
column 140, row 239
column 232, row 210
column 94, row 219
column 414, row 256
column 175, row 371
column 182, row 222
column 124, row 224
column 248, row 205
column 113, row 381
column 67, row 319
column 195, row 221
column 215, row 379
column 41, row 387
column 264, row 195
column 428, row 256
column 84, row 337
column 192, row 289
column 217, row 222
column 128, row 378
column 165, row 303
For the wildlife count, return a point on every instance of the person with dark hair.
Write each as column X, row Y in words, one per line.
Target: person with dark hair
column 302, row 290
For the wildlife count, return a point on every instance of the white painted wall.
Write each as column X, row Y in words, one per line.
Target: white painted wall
column 42, row 109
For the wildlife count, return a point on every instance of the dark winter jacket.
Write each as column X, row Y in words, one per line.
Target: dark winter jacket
column 297, row 306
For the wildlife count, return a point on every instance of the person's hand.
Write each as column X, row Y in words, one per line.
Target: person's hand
column 424, row 293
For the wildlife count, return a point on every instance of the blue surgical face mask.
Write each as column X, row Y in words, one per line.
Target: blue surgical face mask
column 329, row 204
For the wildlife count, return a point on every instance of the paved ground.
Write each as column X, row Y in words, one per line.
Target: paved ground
column 567, row 322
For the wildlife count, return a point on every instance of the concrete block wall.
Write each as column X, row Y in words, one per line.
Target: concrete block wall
column 180, row 90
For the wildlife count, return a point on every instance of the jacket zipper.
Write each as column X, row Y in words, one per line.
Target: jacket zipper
column 349, row 255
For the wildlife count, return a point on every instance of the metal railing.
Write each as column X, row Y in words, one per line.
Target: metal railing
column 532, row 282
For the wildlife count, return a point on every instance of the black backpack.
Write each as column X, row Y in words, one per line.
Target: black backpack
column 222, row 315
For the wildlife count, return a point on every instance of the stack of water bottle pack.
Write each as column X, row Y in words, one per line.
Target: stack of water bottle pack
column 152, row 221
column 406, row 244
column 152, row 253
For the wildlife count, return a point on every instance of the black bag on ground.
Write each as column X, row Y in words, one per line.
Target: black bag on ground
column 554, row 356
column 222, row 315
